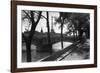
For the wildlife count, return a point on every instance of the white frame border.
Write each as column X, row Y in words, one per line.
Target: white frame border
column 54, row 63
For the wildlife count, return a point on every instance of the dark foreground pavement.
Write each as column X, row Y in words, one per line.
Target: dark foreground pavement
column 76, row 51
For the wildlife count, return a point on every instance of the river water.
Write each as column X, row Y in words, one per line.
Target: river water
column 36, row 56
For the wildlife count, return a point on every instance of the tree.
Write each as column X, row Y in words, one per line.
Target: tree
column 62, row 21
column 78, row 23
column 49, row 40
column 34, row 19
column 81, row 23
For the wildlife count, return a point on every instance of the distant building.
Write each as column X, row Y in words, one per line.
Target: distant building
column 41, row 30
column 52, row 30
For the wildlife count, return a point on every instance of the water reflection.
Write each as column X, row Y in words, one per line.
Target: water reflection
column 36, row 56
column 57, row 46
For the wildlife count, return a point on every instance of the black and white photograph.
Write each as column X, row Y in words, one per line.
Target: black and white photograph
column 53, row 36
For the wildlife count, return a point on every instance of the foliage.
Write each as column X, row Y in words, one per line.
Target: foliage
column 77, row 23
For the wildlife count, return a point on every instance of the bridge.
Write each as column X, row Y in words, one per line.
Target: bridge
column 42, row 43
column 40, row 40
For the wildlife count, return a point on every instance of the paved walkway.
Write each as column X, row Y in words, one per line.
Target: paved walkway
column 76, row 51
column 80, row 52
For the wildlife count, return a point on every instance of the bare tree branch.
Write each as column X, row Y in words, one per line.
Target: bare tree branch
column 41, row 15
column 38, row 17
column 27, row 14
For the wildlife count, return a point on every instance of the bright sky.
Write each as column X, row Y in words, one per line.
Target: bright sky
column 42, row 23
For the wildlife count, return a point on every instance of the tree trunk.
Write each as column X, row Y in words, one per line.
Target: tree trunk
column 28, row 50
column 80, row 35
column 28, row 47
column 28, row 41
column 49, row 41
column 62, row 37
column 62, row 34
column 74, row 35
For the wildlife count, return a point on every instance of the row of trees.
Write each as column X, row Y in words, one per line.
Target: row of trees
column 76, row 22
